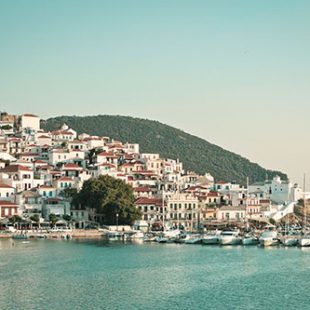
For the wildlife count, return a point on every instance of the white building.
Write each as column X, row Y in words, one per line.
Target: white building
column 30, row 121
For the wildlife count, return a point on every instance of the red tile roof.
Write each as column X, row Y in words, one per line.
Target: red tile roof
column 15, row 168
column 5, row 186
column 4, row 203
column 71, row 167
column 29, row 115
column 148, row 201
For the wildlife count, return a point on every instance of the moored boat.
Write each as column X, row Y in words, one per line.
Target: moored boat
column 304, row 240
column 229, row 238
column 269, row 238
column 249, row 240
column 211, row 238
column 193, row 239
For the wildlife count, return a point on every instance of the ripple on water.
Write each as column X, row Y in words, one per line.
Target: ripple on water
column 96, row 275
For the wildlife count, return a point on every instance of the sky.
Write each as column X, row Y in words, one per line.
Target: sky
column 234, row 72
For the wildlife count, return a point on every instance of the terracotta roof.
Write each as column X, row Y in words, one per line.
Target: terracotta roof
column 71, row 167
column 148, row 201
column 111, row 155
column 15, row 168
column 67, row 179
column 29, row 115
column 142, row 189
column 44, row 137
column 5, row 186
column 62, row 132
column 4, row 203
column 40, row 162
column 213, row 194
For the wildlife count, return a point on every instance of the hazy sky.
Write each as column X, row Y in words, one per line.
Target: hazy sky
column 234, row 72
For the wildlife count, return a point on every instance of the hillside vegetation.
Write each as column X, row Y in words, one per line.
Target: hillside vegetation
column 196, row 154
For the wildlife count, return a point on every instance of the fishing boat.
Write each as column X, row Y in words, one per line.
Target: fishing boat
column 230, row 238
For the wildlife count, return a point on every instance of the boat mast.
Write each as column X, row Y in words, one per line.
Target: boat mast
column 163, row 206
column 304, row 201
column 246, row 202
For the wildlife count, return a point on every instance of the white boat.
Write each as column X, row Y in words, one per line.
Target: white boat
column 114, row 236
column 193, row 239
column 230, row 238
column 304, row 240
column 162, row 239
column 137, row 235
column 211, row 238
column 269, row 238
column 249, row 240
column 290, row 239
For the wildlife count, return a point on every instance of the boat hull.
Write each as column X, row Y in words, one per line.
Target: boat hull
column 290, row 242
column 210, row 241
column 230, row 241
column 249, row 241
column 304, row 242
column 268, row 242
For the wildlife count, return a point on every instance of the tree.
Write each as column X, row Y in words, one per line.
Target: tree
column 67, row 217
column 35, row 218
column 15, row 219
column 53, row 218
column 110, row 197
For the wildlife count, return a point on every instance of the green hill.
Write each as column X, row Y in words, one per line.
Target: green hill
column 196, row 154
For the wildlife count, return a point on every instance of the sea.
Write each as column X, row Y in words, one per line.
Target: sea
column 96, row 274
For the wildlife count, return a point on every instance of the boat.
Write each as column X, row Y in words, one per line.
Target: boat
column 162, row 239
column 269, row 238
column 249, row 239
column 114, row 236
column 304, row 240
column 291, row 238
column 181, row 238
column 230, row 238
column 20, row 236
column 211, row 238
column 193, row 239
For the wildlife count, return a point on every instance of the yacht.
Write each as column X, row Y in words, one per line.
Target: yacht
column 269, row 238
column 249, row 239
column 290, row 239
column 193, row 239
column 230, row 238
column 305, row 240
column 211, row 237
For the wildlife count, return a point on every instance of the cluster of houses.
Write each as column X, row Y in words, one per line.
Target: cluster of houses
column 39, row 168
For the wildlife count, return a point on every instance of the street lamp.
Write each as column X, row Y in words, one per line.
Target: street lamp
column 117, row 221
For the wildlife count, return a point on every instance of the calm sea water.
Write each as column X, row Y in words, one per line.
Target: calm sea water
column 50, row 274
